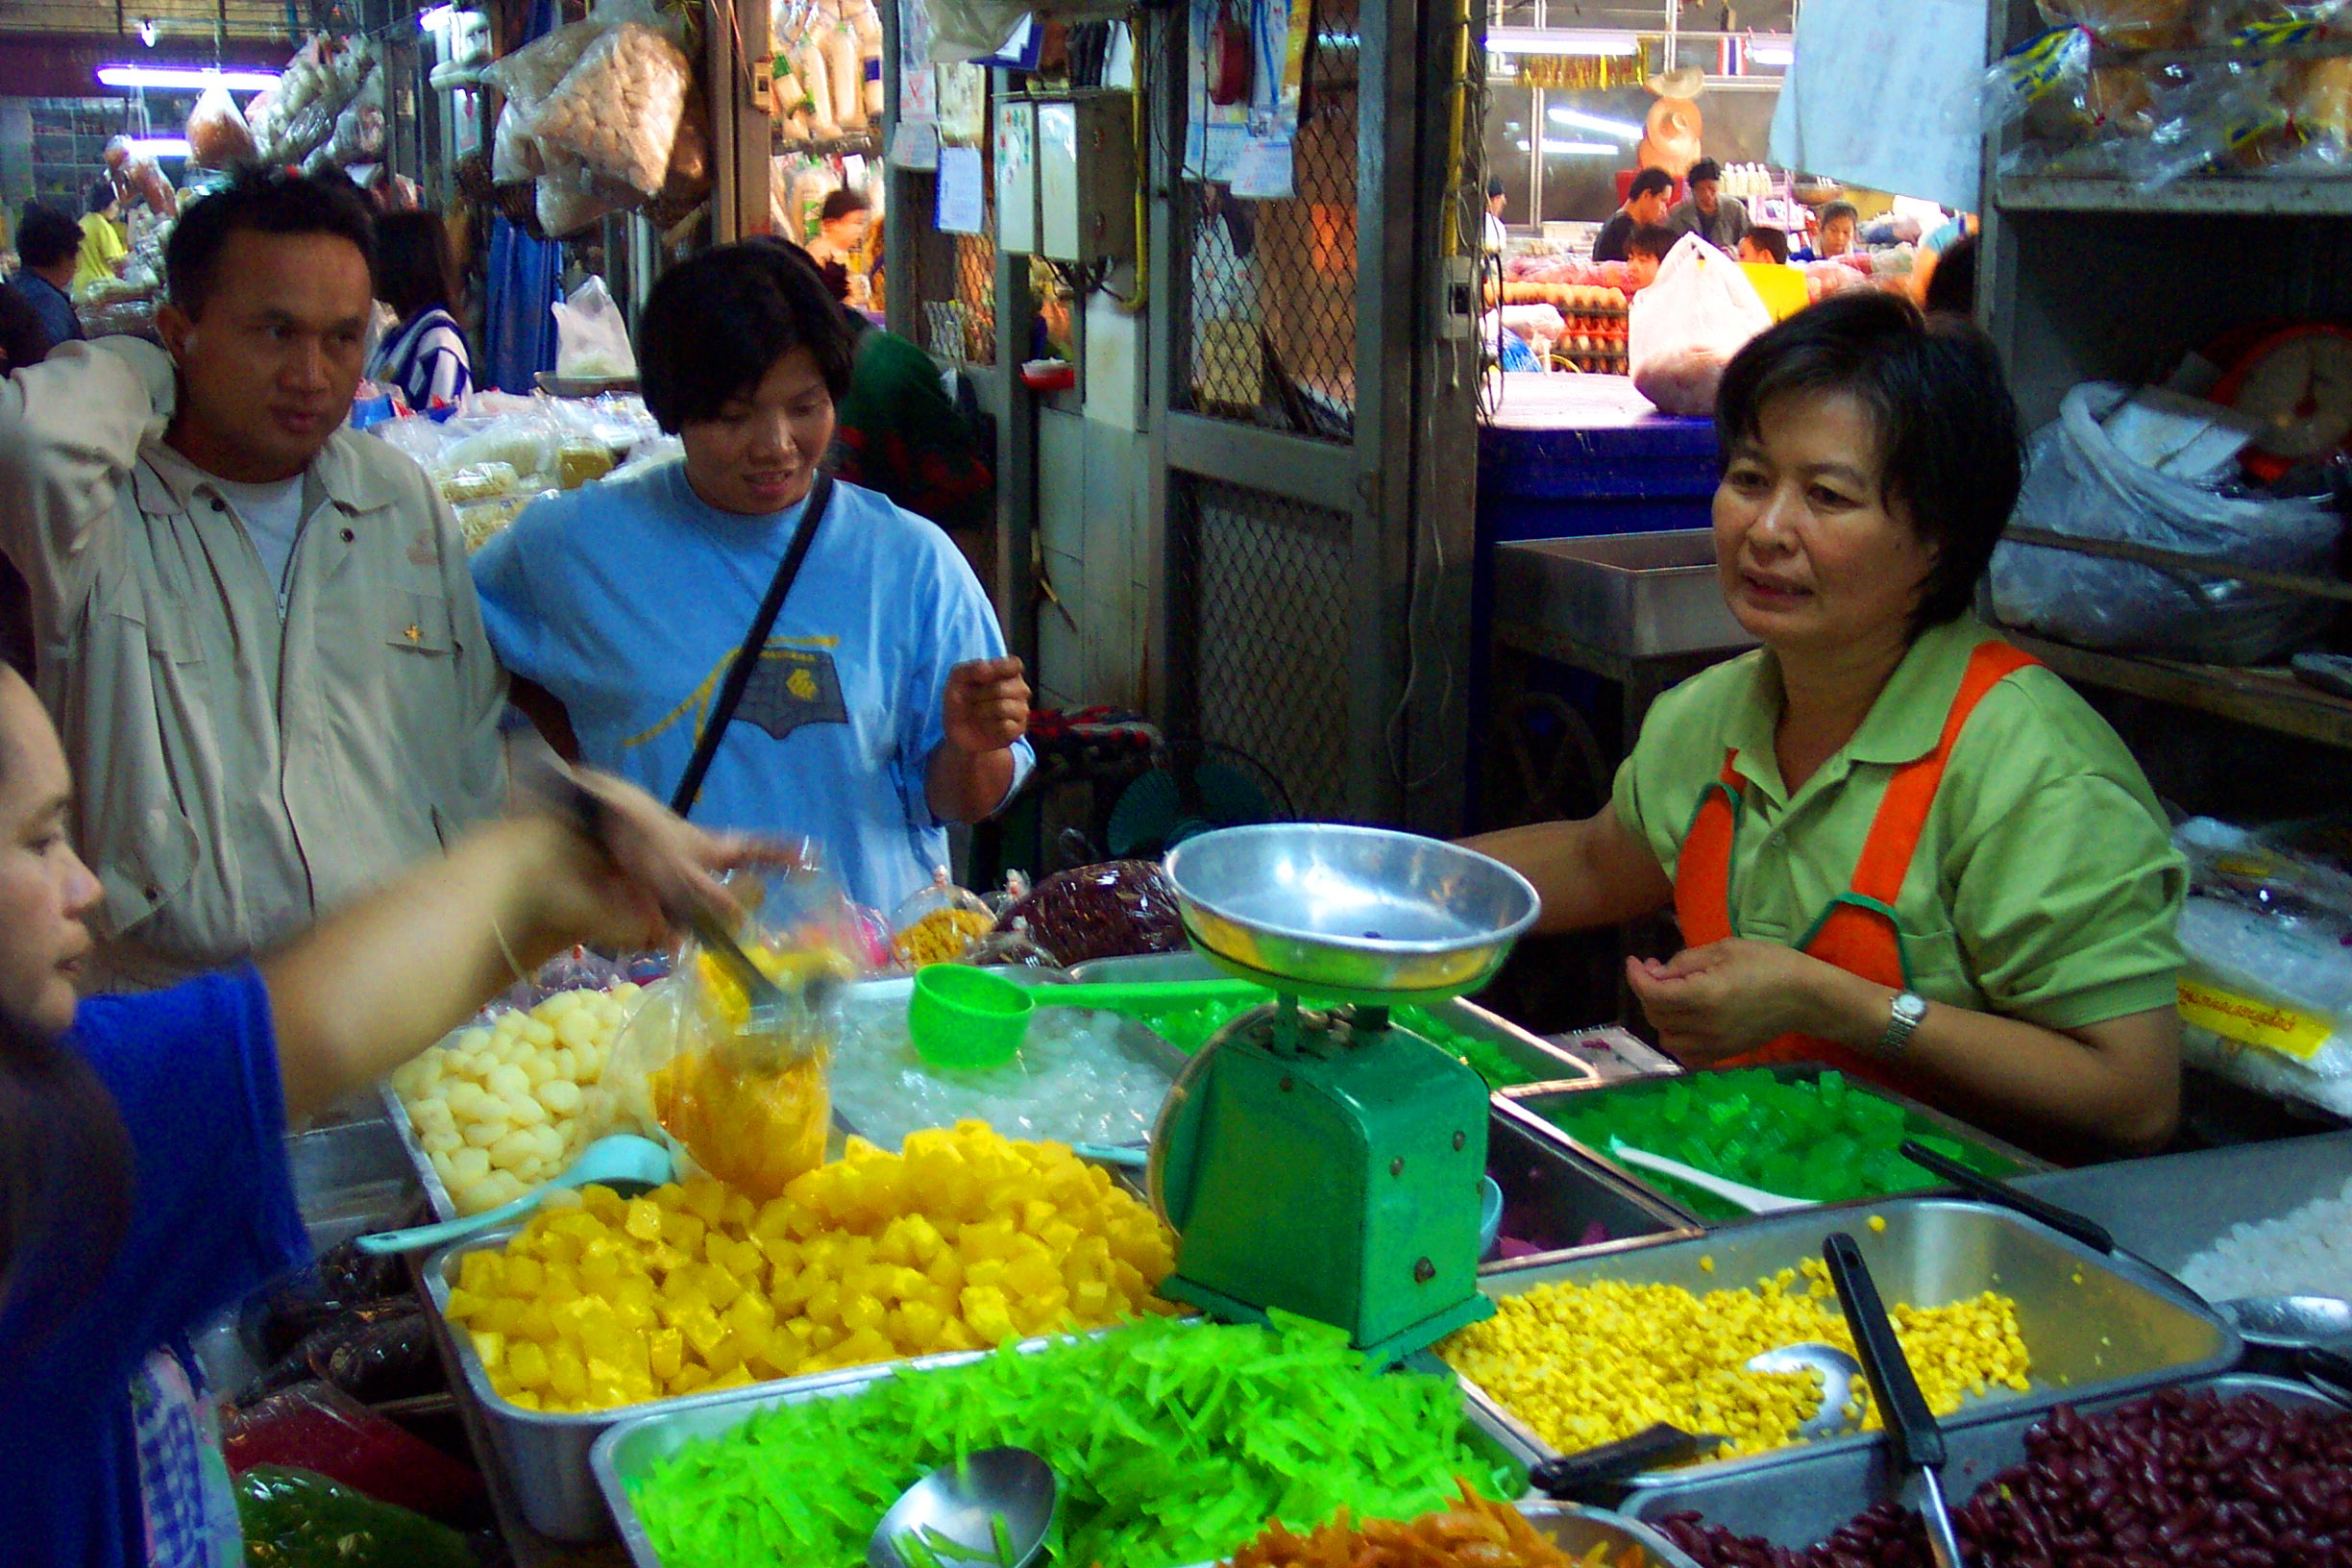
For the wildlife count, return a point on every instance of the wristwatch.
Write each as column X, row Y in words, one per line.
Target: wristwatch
column 1903, row 1016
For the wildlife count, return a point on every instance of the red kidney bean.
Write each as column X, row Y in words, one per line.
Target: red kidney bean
column 2174, row 1480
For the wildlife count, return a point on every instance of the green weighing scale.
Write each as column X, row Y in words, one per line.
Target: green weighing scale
column 1314, row 1158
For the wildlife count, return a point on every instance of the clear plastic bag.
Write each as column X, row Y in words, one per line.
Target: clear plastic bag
column 296, row 1519
column 748, row 1107
column 570, row 196
column 2079, row 483
column 617, row 109
column 2266, row 1000
column 1113, row 909
column 217, row 134
column 592, row 341
column 938, row 924
column 527, row 76
column 1687, row 325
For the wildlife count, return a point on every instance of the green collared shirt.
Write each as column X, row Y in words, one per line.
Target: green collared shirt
column 2044, row 885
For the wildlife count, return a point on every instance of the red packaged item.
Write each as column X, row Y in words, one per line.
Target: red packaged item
column 317, row 1428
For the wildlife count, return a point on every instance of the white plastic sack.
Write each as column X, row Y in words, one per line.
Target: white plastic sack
column 591, row 338
column 1687, row 325
column 2079, row 483
column 617, row 109
column 527, row 76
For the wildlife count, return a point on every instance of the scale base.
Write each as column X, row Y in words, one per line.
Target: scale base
column 1381, row 1353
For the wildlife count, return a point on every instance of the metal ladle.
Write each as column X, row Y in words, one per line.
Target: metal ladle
column 954, row 1511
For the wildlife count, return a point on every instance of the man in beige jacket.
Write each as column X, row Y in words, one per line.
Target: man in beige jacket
column 256, row 629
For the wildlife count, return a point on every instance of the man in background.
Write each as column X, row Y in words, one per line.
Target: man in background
column 1497, row 236
column 1646, row 250
column 1645, row 207
column 1707, row 212
column 1838, row 232
column 1764, row 245
column 49, row 244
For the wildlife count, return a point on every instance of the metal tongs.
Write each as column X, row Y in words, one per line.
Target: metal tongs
column 1918, row 1441
column 771, row 1010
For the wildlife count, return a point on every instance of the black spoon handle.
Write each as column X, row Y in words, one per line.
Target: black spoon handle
column 1918, row 1441
column 1568, row 1475
column 2066, row 1221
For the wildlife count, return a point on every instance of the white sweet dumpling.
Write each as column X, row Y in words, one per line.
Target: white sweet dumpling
column 499, row 1108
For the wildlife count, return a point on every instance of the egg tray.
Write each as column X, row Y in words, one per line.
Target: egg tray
column 2094, row 1325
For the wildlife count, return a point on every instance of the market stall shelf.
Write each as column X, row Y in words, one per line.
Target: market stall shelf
column 1538, row 1106
column 2093, row 1325
column 2268, row 195
column 1798, row 1504
column 2270, row 698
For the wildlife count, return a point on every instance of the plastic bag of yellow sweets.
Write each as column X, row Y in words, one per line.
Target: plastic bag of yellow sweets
column 751, row 1106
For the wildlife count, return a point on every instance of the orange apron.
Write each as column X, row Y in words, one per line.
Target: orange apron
column 1857, row 931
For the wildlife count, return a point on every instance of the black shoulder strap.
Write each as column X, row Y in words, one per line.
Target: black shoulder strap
column 747, row 656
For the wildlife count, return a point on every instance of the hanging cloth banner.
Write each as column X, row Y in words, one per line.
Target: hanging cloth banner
column 1585, row 73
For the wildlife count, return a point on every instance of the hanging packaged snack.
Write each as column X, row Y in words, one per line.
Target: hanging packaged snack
column 617, row 110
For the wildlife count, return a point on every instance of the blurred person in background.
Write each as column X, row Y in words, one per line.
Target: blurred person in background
column 1497, row 236
column 1766, row 246
column 256, row 629
column 49, row 244
column 1644, row 249
column 1838, row 232
column 104, row 250
column 841, row 223
column 1706, row 212
column 1645, row 207
column 416, row 275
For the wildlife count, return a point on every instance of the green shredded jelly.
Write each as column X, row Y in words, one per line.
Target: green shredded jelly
column 1173, row 1441
column 1824, row 1140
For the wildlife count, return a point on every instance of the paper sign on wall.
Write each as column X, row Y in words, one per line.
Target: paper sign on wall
column 915, row 146
column 962, row 191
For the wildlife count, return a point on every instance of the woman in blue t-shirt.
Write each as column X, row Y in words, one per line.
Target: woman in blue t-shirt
column 143, row 1180
column 882, row 706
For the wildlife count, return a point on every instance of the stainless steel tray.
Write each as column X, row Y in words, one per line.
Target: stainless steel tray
column 1552, row 1195
column 1643, row 596
column 437, row 1192
column 2094, row 1325
column 1803, row 1500
column 634, row 1448
column 350, row 1179
column 1553, row 1067
column 1528, row 1100
column 546, row 1454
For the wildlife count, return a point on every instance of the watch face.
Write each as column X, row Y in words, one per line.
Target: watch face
column 1910, row 1005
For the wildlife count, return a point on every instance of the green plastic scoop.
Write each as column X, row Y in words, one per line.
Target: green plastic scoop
column 964, row 1018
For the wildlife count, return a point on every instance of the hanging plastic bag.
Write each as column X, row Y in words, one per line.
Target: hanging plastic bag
column 1687, row 325
column 749, row 1106
column 2077, row 482
column 527, row 76
column 618, row 108
column 217, row 134
column 592, row 340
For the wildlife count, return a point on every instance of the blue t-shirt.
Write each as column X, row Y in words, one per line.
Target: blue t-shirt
column 627, row 600
column 193, row 1071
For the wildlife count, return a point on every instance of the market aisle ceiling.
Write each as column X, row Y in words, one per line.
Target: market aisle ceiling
column 177, row 21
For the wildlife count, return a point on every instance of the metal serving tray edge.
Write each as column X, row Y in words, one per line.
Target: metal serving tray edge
column 1950, row 1126
column 546, row 1454
column 2072, row 1303
column 1803, row 1500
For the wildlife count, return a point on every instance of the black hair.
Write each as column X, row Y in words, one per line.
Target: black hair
column 415, row 270
column 1772, row 242
column 65, row 1173
column 102, row 195
column 1951, row 287
column 717, row 323
column 1948, row 448
column 1652, row 240
column 1704, row 170
column 1835, row 210
column 1494, row 187
column 259, row 202
column 1649, row 180
column 841, row 204
column 46, row 236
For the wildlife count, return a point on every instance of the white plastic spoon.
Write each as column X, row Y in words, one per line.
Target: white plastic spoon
column 1755, row 1200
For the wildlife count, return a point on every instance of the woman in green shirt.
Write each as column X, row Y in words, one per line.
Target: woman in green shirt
column 1892, row 841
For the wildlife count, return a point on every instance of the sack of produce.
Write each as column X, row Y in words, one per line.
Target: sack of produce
column 1685, row 326
column 2079, row 483
column 527, row 76
column 1119, row 908
column 2267, row 999
column 217, row 136
column 591, row 336
column 618, row 110
column 746, row 1099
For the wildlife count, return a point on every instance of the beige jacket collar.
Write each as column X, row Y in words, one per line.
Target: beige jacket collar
column 163, row 482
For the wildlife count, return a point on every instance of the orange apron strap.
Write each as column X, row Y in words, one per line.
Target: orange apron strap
column 1702, row 869
column 1902, row 813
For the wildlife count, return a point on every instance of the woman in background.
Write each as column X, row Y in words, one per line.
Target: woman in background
column 416, row 275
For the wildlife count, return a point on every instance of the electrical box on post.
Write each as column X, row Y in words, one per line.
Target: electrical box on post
column 1017, row 176
column 1087, row 177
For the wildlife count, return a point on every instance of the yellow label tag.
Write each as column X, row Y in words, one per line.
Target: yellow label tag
column 2266, row 1025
